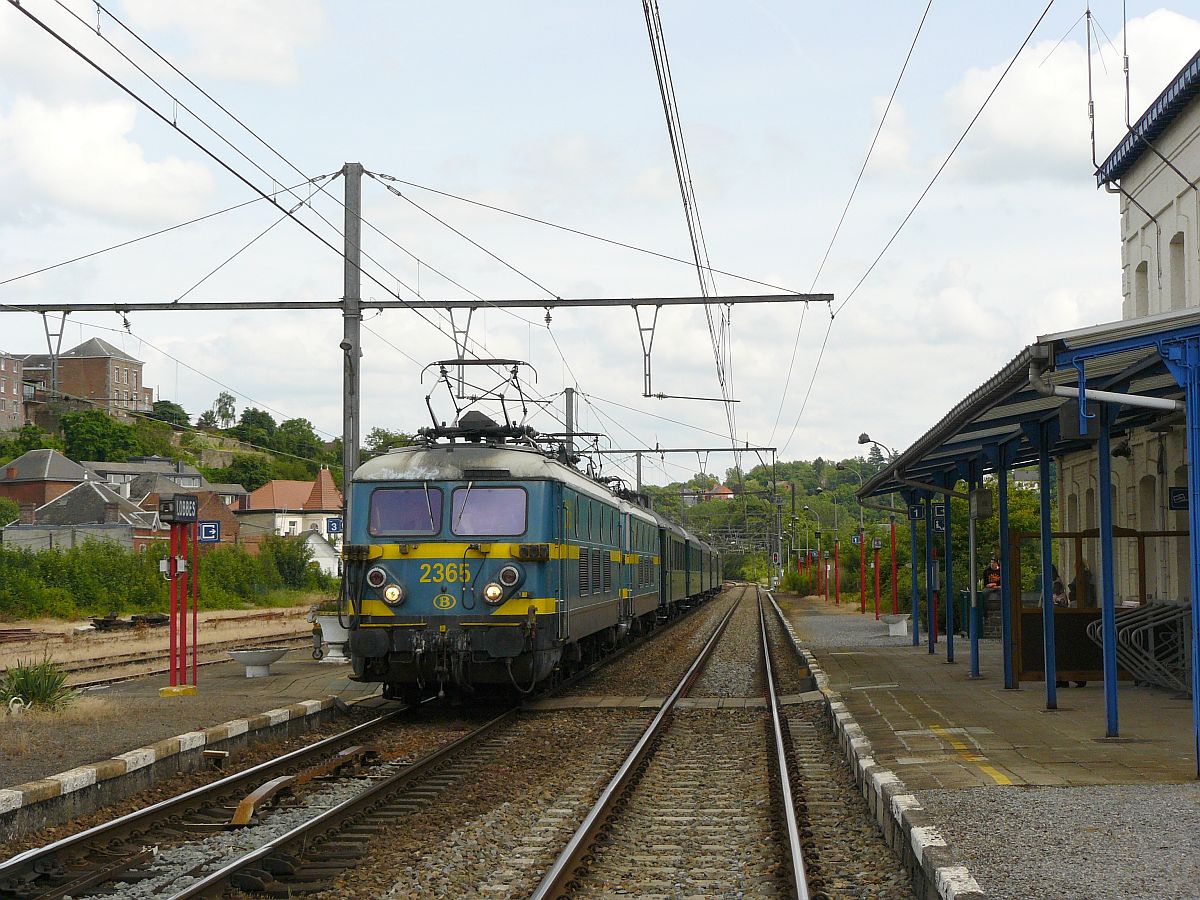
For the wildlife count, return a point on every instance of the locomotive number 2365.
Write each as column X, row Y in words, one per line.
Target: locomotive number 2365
column 442, row 573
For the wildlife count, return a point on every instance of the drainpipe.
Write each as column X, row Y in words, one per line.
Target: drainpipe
column 1037, row 380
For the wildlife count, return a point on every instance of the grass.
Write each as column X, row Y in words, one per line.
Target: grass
column 21, row 733
column 42, row 685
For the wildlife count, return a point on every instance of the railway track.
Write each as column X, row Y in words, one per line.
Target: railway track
column 123, row 850
column 703, row 804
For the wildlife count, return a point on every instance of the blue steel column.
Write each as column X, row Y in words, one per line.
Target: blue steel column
column 949, row 584
column 916, row 588
column 973, row 609
column 1005, row 575
column 930, row 579
column 1051, row 669
column 1108, row 611
column 1190, row 351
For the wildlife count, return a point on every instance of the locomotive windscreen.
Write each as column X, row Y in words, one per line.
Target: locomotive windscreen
column 415, row 510
column 477, row 511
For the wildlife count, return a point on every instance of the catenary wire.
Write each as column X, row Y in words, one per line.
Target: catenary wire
column 846, row 209
column 929, row 186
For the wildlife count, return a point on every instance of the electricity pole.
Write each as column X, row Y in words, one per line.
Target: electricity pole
column 351, row 327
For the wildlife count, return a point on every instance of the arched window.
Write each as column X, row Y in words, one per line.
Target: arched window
column 1178, row 272
column 1141, row 290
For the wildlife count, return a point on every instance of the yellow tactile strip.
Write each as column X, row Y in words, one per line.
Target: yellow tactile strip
column 32, row 792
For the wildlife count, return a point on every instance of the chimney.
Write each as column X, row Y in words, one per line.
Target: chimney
column 111, row 516
column 179, row 466
column 28, row 513
column 10, row 472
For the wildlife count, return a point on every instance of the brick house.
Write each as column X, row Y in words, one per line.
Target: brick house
column 39, row 476
column 12, row 404
column 95, row 371
column 88, row 511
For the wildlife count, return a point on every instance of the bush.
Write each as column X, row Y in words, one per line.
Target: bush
column 10, row 511
column 41, row 684
column 290, row 557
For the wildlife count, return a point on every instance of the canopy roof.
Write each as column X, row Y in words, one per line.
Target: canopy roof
column 1007, row 412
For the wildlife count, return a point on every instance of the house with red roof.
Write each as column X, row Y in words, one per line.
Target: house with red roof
column 293, row 508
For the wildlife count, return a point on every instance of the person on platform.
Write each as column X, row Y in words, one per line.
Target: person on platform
column 991, row 575
column 1083, row 593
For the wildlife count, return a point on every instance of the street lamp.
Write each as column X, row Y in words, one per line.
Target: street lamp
column 820, row 559
column 865, row 438
column 837, row 585
column 862, row 543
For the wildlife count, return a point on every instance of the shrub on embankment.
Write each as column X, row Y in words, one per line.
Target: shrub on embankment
column 97, row 578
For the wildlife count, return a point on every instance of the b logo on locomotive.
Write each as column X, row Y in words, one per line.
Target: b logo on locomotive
column 445, row 601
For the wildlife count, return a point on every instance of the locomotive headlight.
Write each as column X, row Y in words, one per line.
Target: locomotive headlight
column 492, row 592
column 393, row 593
column 509, row 576
column 376, row 577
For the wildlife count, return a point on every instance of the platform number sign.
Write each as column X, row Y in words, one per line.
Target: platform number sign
column 914, row 513
column 208, row 532
column 876, row 544
column 856, row 539
column 1177, row 497
column 939, row 517
column 333, row 526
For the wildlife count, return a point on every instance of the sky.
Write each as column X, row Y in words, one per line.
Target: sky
column 552, row 110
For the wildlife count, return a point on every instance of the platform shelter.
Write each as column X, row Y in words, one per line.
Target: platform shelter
column 1067, row 393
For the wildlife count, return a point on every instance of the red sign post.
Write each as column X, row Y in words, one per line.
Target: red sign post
column 180, row 568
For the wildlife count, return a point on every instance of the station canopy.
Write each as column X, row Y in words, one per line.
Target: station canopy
column 1008, row 411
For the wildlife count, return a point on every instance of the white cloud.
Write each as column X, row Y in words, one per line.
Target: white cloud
column 1036, row 125
column 233, row 40
column 894, row 146
column 79, row 156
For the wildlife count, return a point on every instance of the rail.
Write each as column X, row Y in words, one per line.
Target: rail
column 799, row 877
column 557, row 879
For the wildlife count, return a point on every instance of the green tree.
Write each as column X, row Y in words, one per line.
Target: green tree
column 249, row 470
column 225, row 408
column 95, row 435
column 170, row 412
column 380, row 441
column 297, row 437
column 9, row 511
column 207, row 419
column 255, row 426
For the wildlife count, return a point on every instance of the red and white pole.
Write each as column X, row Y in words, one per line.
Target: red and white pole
column 837, row 581
column 876, row 581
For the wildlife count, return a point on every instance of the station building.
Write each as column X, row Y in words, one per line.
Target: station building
column 1153, row 172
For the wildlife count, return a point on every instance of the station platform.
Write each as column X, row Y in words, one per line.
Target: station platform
column 995, row 795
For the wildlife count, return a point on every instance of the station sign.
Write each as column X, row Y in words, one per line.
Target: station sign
column 208, row 532
column 333, row 526
column 939, row 517
column 856, row 539
column 179, row 509
column 1177, row 497
column 876, row 544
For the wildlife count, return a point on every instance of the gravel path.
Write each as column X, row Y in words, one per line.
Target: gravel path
column 700, row 821
column 1076, row 843
column 654, row 669
column 735, row 667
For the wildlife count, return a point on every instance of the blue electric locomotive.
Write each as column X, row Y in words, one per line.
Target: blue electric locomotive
column 475, row 565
